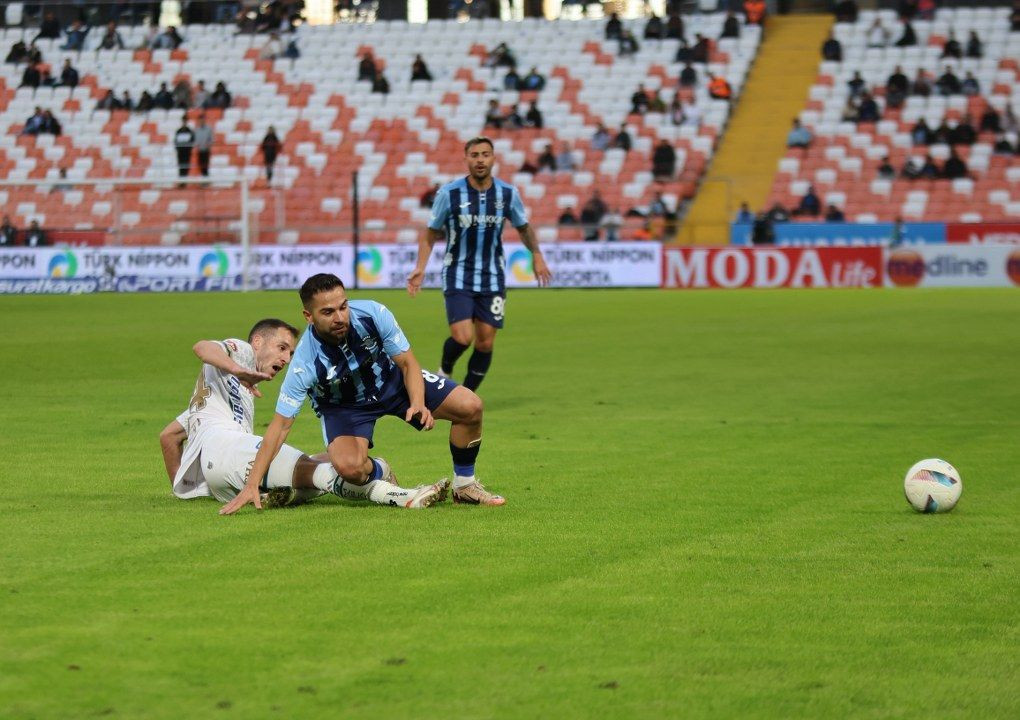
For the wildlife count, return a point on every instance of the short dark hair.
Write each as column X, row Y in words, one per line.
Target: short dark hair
column 269, row 325
column 477, row 141
column 317, row 284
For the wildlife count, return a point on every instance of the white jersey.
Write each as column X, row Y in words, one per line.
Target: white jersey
column 219, row 403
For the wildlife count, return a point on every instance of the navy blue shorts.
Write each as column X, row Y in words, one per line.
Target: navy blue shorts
column 467, row 305
column 359, row 420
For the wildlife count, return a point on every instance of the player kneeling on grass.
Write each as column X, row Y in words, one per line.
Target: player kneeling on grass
column 356, row 365
column 210, row 447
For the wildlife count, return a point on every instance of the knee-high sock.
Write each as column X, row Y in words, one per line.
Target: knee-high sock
column 478, row 365
column 452, row 350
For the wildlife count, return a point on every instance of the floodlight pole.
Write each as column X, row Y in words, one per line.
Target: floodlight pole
column 245, row 238
column 355, row 219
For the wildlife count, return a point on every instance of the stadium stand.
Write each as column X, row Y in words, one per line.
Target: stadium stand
column 332, row 124
column 842, row 161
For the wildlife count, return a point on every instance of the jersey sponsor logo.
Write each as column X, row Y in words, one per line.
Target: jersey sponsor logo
column 298, row 371
column 288, row 400
column 331, row 373
column 467, row 221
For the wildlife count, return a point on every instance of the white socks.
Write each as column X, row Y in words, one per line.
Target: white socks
column 460, row 481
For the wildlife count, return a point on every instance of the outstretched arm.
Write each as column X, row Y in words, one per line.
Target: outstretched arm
column 272, row 441
column 542, row 273
column 425, row 242
column 171, row 440
column 212, row 353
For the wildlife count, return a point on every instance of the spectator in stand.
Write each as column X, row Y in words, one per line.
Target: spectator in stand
column 68, row 75
column 718, row 87
column 975, row 48
column 850, row 110
column 614, row 28
column 271, row 147
column 17, row 54
column 612, row 221
column 534, row 117
column 940, row 135
column 1002, row 146
column 731, row 27
column 164, row 99
column 675, row 27
column 201, row 95
column 145, row 102
column 990, row 121
column 867, row 111
column 203, row 143
column 565, row 161
column 182, row 94
column 702, row 48
column 929, row 170
column 533, row 80
column 366, row 68
column 514, row 119
column 1014, row 17
column 49, row 28
column 34, row 54
column 567, row 218
column 169, row 39
column 922, row 84
column 810, row 205
column 964, row 133
column 832, row 50
column 419, row 70
column 628, row 44
column 221, row 97
column 799, row 136
column 949, row 83
column 886, row 171
column 778, row 214
column 955, row 167
column 654, row 28
column 622, row 139
column 908, row 38
column 592, row 213
column 951, row 48
column 846, row 11
column 381, row 85
column 512, row 81
column 754, row 11
column 688, row 76
column 907, row 9
column 834, row 214
column 684, row 54
column 500, row 56
column 32, row 77
column 493, row 116
column 184, row 141
column 35, row 236
column 970, row 85
column 8, row 233
column 762, row 232
column 109, row 101
column 896, row 88
column 600, row 140
column 856, row 84
column 663, row 161
column 547, row 160
column 639, row 101
column 126, row 103
column 273, row 48
column 49, row 125
column 429, row 196
column 656, row 104
column 111, row 39
column 877, row 36
column 676, row 110
column 74, row 38
column 744, row 215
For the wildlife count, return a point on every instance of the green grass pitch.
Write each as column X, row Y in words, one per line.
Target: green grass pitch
column 705, row 519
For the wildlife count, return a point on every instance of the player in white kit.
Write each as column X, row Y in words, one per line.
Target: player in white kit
column 220, row 443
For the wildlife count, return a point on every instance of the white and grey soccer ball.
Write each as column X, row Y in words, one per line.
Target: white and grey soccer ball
column 932, row 486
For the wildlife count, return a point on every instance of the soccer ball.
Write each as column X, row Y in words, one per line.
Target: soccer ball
column 932, row 486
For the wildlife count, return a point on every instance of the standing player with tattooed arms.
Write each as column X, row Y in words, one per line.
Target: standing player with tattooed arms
column 469, row 214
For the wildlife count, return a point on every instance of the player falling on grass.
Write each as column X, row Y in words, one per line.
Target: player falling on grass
column 469, row 213
column 221, row 446
column 356, row 365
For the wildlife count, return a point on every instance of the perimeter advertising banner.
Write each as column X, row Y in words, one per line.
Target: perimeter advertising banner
column 844, row 234
column 983, row 233
column 762, row 267
column 953, row 266
column 617, row 264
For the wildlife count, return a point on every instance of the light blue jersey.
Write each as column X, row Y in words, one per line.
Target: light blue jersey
column 473, row 221
column 359, row 371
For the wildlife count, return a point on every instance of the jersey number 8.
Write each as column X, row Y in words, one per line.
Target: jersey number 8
column 498, row 306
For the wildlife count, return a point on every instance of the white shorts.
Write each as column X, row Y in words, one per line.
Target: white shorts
column 227, row 458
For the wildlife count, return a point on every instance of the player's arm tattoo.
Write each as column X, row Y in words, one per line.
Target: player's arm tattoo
column 527, row 236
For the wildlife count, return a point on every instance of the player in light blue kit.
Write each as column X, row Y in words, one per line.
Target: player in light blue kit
column 469, row 213
column 356, row 365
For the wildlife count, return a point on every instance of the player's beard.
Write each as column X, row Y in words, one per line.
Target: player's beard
column 335, row 336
